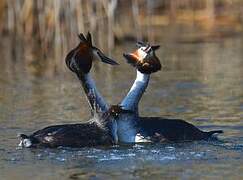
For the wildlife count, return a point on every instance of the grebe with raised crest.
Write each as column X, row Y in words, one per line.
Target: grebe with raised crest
column 96, row 131
column 131, row 128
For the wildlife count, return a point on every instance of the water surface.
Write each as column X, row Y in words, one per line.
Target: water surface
column 201, row 83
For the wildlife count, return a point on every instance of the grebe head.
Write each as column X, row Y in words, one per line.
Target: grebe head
column 79, row 59
column 144, row 58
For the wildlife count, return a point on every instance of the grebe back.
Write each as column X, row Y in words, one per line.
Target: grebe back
column 96, row 131
column 131, row 127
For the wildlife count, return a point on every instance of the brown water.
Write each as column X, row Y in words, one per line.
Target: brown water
column 201, row 83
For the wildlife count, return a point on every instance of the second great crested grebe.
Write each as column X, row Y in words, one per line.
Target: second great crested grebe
column 97, row 130
column 131, row 128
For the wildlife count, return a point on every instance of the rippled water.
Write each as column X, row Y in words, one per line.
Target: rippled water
column 201, row 83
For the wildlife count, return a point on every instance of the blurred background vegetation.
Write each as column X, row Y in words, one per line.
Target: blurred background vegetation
column 42, row 31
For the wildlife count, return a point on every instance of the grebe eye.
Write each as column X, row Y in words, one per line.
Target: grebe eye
column 143, row 48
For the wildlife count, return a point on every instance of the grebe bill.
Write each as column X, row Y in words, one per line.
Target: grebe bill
column 127, row 123
column 79, row 60
column 92, row 133
column 134, row 129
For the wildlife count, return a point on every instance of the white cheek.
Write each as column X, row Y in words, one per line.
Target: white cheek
column 141, row 53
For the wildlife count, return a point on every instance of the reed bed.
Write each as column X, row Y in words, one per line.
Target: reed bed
column 50, row 28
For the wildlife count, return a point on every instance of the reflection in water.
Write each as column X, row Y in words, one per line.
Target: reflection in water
column 201, row 83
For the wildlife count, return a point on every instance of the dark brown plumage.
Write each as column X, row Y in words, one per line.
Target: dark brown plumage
column 148, row 64
column 70, row 135
column 115, row 111
column 172, row 130
column 79, row 59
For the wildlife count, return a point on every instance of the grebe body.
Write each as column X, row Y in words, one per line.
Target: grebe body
column 92, row 133
column 158, row 129
column 68, row 135
column 132, row 127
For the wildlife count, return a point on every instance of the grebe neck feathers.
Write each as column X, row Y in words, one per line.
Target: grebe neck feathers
column 79, row 60
column 96, row 101
column 131, row 101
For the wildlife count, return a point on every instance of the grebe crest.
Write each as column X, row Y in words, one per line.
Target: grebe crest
column 144, row 58
column 79, row 59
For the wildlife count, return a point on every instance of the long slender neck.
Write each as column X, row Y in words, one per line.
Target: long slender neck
column 96, row 101
column 130, row 102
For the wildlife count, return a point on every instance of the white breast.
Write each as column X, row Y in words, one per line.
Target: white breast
column 126, row 130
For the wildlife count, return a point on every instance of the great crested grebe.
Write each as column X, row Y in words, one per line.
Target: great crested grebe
column 79, row 60
column 96, row 131
column 130, row 127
